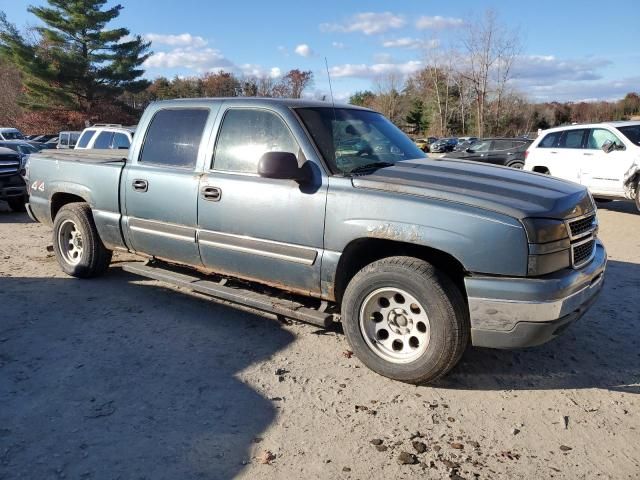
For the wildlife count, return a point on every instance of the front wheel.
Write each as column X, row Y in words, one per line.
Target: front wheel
column 76, row 242
column 405, row 320
column 638, row 195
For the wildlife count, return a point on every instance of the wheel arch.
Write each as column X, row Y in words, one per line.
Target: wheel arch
column 60, row 199
column 363, row 251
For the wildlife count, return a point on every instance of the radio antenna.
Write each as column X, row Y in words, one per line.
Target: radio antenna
column 333, row 104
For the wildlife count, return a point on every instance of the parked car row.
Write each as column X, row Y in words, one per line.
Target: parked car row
column 509, row 152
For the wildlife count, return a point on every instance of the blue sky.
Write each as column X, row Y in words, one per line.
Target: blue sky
column 572, row 50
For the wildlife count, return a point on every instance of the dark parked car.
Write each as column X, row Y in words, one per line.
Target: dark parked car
column 444, row 145
column 12, row 187
column 499, row 151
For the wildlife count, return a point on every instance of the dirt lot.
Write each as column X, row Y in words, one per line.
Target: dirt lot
column 123, row 378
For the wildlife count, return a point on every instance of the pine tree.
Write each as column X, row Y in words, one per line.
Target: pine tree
column 417, row 116
column 75, row 61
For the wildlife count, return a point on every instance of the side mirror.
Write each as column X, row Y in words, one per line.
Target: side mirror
column 282, row 166
column 608, row 146
column 470, row 150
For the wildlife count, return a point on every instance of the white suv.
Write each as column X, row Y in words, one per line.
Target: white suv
column 103, row 136
column 604, row 157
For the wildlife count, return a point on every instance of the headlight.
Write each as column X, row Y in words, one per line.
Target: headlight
column 549, row 245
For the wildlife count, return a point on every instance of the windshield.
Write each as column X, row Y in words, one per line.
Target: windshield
column 13, row 135
column 632, row 132
column 351, row 139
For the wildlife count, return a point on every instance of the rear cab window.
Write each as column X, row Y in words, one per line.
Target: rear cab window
column 173, row 137
column 84, row 139
column 103, row 140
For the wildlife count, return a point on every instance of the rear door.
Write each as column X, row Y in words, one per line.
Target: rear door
column 257, row 228
column 569, row 159
column 161, row 186
column 604, row 172
column 499, row 152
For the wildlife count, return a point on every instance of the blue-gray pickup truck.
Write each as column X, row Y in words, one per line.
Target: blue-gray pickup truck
column 324, row 214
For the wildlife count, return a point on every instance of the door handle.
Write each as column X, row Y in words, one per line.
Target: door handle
column 140, row 185
column 213, row 194
column 589, row 154
column 553, row 152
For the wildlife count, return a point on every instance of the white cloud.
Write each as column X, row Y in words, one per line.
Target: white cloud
column 338, row 45
column 371, row 71
column 303, row 50
column 583, row 91
column 369, row 23
column 181, row 40
column 275, row 72
column 410, row 43
column 548, row 69
column 438, row 23
column 201, row 60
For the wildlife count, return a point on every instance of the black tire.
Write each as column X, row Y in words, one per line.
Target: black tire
column 17, row 204
column 603, row 200
column 94, row 258
column 519, row 165
column 638, row 195
column 443, row 303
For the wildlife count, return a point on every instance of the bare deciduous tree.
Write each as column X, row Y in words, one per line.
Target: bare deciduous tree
column 490, row 50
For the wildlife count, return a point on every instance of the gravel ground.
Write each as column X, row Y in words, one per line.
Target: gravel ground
column 122, row 378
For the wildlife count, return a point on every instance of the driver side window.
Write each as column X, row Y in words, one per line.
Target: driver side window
column 245, row 135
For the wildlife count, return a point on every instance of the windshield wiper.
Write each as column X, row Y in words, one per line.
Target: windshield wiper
column 371, row 166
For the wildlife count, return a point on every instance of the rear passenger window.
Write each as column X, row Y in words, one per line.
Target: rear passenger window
column 173, row 137
column 84, row 139
column 103, row 140
column 550, row 140
column 246, row 135
column 64, row 139
column 120, row 141
column 572, row 139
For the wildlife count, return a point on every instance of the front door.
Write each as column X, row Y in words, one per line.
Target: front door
column 161, row 187
column 257, row 228
column 603, row 173
column 569, row 156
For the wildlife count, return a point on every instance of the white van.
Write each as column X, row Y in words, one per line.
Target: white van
column 604, row 157
column 102, row 136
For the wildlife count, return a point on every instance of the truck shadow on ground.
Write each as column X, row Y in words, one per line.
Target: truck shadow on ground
column 114, row 379
column 601, row 350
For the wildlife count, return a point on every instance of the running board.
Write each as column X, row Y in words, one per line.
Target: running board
column 240, row 296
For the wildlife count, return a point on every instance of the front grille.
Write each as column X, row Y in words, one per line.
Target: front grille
column 582, row 226
column 582, row 233
column 9, row 165
column 582, row 252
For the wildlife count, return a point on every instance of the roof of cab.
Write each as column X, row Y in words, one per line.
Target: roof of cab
column 286, row 102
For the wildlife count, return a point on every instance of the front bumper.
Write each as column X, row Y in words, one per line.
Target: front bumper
column 12, row 191
column 523, row 312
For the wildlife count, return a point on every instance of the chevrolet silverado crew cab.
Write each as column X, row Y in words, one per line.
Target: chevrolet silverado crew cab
column 604, row 157
column 322, row 214
column 12, row 187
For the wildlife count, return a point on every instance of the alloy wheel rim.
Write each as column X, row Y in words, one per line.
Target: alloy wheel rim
column 70, row 242
column 394, row 324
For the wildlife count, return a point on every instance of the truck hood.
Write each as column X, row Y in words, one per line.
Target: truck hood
column 509, row 191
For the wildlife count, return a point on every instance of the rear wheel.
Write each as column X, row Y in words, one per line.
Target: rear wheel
column 405, row 320
column 638, row 195
column 76, row 242
column 516, row 164
column 17, row 204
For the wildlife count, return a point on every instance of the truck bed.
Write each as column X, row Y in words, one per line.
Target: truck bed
column 85, row 156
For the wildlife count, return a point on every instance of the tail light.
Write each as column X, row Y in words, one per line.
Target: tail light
column 526, row 154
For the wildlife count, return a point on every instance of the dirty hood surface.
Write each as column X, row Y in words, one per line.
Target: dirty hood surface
column 512, row 192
